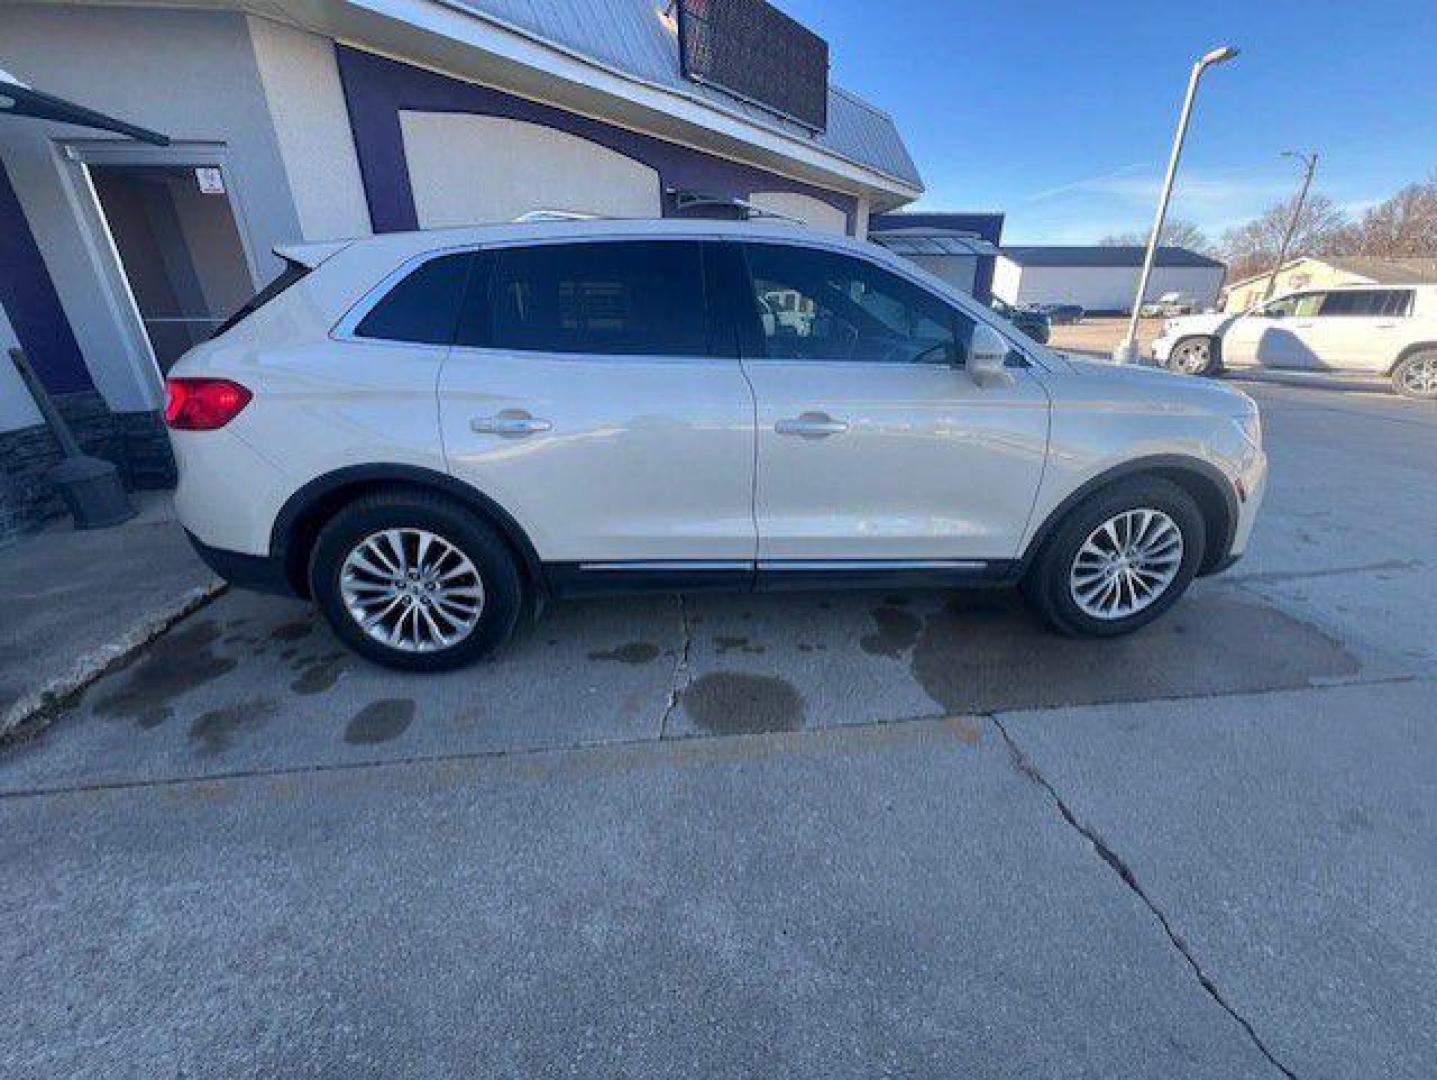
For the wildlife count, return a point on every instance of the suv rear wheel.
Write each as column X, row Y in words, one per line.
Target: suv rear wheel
column 415, row 581
column 1119, row 559
column 1415, row 376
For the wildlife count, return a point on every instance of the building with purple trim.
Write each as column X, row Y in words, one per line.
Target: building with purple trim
column 337, row 118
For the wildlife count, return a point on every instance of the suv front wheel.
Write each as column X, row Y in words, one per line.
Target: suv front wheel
column 1119, row 559
column 415, row 581
column 1194, row 356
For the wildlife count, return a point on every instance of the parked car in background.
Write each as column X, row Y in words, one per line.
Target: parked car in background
column 428, row 433
column 1389, row 331
column 1169, row 304
column 1033, row 323
column 1058, row 314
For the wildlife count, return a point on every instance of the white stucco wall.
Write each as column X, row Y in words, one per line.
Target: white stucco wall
column 466, row 169
column 16, row 409
column 815, row 213
column 300, row 78
column 189, row 74
column 1101, row 288
column 862, row 210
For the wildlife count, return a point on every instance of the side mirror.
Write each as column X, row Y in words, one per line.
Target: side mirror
column 988, row 358
column 1271, row 313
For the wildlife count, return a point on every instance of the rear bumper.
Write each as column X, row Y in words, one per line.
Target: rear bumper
column 262, row 573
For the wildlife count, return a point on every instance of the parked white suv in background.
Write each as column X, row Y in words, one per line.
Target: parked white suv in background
column 428, row 433
column 1381, row 330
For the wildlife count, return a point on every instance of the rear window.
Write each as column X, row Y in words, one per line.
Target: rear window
column 607, row 298
column 423, row 308
column 292, row 273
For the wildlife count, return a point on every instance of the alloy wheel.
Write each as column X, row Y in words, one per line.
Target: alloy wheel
column 1191, row 357
column 1419, row 376
column 412, row 590
column 1126, row 564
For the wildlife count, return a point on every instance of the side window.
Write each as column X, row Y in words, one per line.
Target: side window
column 617, row 298
column 1354, row 302
column 422, row 308
column 1394, row 302
column 1306, row 305
column 820, row 305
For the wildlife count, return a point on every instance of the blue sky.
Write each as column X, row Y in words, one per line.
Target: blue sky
column 1061, row 113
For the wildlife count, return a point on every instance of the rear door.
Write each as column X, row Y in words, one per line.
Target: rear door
column 875, row 449
column 1359, row 329
column 588, row 394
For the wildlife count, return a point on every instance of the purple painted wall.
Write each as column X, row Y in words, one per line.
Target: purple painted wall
column 377, row 88
column 32, row 304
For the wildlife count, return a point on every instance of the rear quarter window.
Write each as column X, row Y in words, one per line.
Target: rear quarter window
column 423, row 307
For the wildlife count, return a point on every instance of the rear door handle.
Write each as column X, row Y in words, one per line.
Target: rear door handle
column 510, row 424
column 811, row 425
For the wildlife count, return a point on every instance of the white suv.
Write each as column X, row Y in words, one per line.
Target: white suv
column 1380, row 330
column 429, row 433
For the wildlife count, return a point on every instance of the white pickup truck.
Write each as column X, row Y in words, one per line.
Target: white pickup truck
column 1388, row 330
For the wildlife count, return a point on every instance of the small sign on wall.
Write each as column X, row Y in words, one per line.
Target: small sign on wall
column 210, row 180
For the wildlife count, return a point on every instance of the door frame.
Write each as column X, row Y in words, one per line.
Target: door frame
column 78, row 155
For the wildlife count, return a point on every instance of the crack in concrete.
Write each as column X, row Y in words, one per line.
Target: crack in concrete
column 1116, row 863
column 679, row 681
column 1273, row 576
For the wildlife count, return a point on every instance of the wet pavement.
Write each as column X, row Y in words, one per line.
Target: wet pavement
column 827, row 833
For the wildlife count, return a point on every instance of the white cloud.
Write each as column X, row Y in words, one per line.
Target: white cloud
column 1123, row 200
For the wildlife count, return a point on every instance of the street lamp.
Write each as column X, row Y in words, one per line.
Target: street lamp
column 1127, row 351
column 1309, row 165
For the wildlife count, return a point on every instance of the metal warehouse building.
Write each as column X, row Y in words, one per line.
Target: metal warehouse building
column 1103, row 279
column 322, row 119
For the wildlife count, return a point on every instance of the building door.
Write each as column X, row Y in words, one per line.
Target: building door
column 174, row 232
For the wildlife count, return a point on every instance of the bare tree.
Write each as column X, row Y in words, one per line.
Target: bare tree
column 1176, row 233
column 1402, row 226
column 1250, row 249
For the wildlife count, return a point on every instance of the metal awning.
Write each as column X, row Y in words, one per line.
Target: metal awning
column 919, row 241
column 17, row 99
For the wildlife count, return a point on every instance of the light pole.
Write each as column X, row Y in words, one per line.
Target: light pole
column 1127, row 350
column 1309, row 161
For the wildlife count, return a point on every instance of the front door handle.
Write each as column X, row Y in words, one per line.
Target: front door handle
column 510, row 424
column 811, row 425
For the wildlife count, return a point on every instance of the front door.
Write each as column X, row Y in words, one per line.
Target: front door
column 587, row 395
column 1275, row 334
column 873, row 444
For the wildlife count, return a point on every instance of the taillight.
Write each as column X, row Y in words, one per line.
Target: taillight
column 203, row 404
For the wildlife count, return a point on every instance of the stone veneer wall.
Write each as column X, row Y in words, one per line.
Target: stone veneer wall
column 135, row 442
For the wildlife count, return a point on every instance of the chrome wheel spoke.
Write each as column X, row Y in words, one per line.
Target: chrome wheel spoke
column 412, row 590
column 1126, row 564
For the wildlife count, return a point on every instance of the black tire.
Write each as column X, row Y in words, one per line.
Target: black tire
column 469, row 534
column 1415, row 375
column 1047, row 584
column 1203, row 347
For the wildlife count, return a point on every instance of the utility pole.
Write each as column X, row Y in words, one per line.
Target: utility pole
column 1127, row 350
column 1309, row 160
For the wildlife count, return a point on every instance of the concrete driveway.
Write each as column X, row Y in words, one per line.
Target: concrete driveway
column 829, row 834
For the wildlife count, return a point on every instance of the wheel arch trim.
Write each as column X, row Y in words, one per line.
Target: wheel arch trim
column 1408, row 350
column 321, row 489
column 1156, row 464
